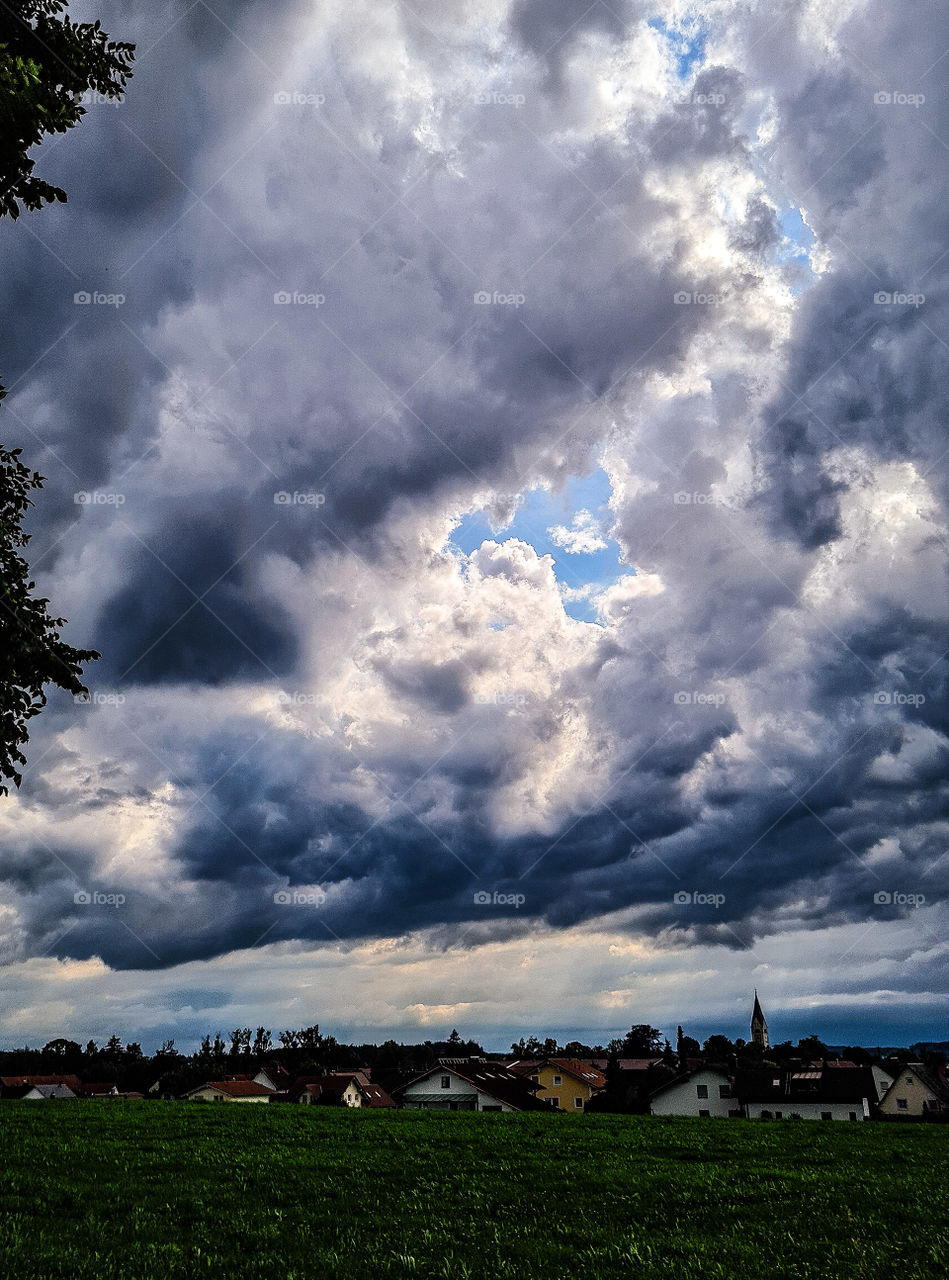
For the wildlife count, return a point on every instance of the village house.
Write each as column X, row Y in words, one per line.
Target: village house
column 230, row 1091
column 806, row 1091
column 21, row 1086
column 468, row 1084
column 338, row 1088
column 564, row 1083
column 915, row 1092
column 706, row 1091
column 48, row 1092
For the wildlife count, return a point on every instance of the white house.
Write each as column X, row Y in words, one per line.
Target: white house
column 230, row 1091
column 705, row 1092
column 48, row 1091
column 469, row 1084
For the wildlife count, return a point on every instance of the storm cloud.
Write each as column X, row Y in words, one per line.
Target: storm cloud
column 382, row 268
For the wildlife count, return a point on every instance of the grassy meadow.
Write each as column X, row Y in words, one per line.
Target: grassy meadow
column 161, row 1190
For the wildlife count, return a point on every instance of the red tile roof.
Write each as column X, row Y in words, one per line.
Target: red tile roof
column 237, row 1088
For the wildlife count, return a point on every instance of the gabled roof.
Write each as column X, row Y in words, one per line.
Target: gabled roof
column 490, row 1078
column 591, row 1076
column 235, row 1088
column 933, row 1084
column 684, row 1076
column 50, row 1091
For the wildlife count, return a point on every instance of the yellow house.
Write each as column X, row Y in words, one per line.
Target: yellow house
column 565, row 1083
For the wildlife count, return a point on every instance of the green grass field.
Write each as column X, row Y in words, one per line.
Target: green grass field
column 95, row 1189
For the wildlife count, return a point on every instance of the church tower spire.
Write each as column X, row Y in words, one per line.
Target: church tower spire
column 759, row 1028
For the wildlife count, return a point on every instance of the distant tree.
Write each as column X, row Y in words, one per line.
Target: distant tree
column 91, row 1049
column 219, row 1047
column 811, row 1047
column 205, row 1050
column 167, row 1056
column 688, row 1047
column 262, row 1042
column 643, row 1041
column 718, row 1048
column 856, row 1053
column 113, row 1049
column 454, row 1038
column 289, row 1039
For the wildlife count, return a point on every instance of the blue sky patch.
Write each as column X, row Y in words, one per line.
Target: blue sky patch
column 542, row 511
column 687, row 41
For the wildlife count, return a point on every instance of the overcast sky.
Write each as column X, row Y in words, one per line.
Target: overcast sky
column 499, row 451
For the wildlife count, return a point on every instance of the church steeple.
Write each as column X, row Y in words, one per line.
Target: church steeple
column 759, row 1028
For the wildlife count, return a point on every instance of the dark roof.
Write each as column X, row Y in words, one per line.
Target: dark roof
column 236, row 1088
column 756, row 1011
column 328, row 1090
column 588, row 1075
column 777, row 1084
column 13, row 1082
column 491, row 1078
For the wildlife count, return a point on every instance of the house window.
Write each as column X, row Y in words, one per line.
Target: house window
column 553, row 1102
column 578, row 1103
column 779, row 1115
column 558, row 1080
column 446, row 1082
column 536, row 1079
column 724, row 1091
column 734, row 1115
column 826, row 1115
column 902, row 1104
column 851, row 1115
column 705, row 1113
column 701, row 1090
